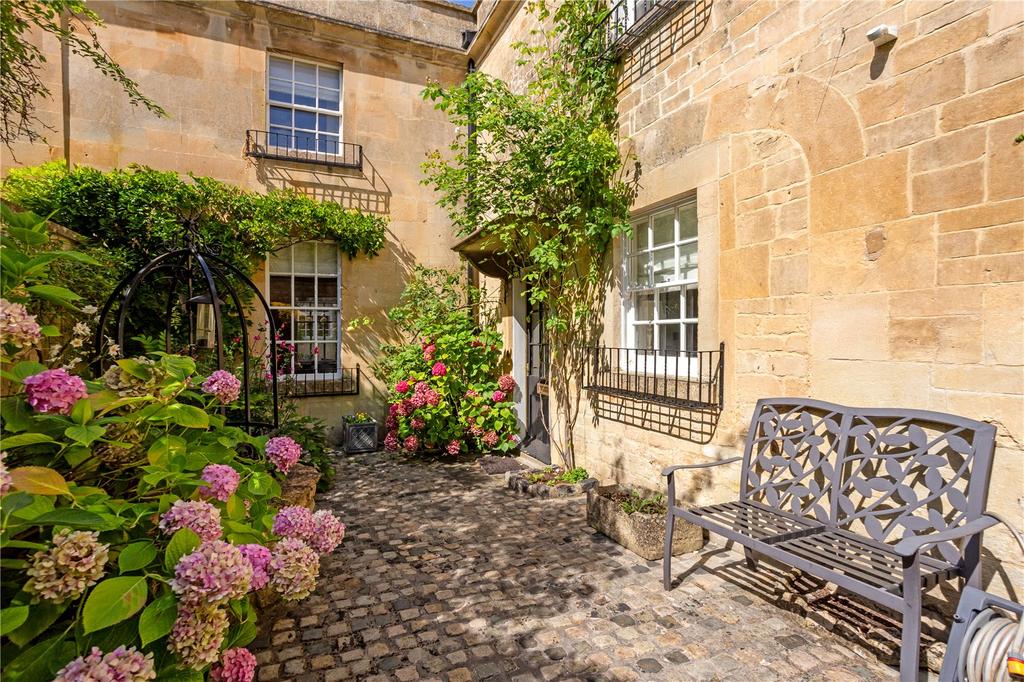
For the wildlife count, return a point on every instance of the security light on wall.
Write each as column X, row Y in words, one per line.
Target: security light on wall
column 882, row 34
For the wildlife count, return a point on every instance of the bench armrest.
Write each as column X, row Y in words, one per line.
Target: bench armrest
column 908, row 547
column 668, row 471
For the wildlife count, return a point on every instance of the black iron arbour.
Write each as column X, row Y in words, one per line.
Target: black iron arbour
column 196, row 276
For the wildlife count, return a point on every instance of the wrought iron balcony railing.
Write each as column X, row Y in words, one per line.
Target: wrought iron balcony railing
column 303, row 148
column 629, row 21
column 673, row 378
column 344, row 382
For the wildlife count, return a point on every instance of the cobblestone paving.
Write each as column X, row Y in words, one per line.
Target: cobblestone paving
column 445, row 575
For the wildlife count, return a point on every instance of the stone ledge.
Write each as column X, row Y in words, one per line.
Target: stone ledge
column 516, row 480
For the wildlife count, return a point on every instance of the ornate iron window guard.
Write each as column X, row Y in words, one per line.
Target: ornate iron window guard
column 346, row 382
column 262, row 144
column 621, row 34
column 673, row 378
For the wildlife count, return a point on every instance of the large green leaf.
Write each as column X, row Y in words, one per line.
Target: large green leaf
column 39, row 662
column 158, row 619
column 183, row 415
column 54, row 294
column 182, row 542
column 39, row 481
column 43, row 616
column 112, row 601
column 11, row 618
column 23, row 439
column 86, row 435
column 74, row 518
column 135, row 556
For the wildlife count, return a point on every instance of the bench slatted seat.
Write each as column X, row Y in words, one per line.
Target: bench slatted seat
column 885, row 503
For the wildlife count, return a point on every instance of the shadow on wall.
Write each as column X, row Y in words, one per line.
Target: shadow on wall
column 678, row 31
column 364, row 190
column 693, row 424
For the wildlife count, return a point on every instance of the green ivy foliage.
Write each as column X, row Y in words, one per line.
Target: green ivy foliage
column 142, row 211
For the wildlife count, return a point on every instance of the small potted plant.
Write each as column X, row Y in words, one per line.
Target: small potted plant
column 360, row 433
column 635, row 518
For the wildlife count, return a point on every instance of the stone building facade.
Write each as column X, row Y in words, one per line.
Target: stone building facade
column 855, row 213
column 208, row 64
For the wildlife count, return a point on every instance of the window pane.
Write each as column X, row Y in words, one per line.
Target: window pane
column 669, row 338
column 280, row 290
column 304, row 292
column 303, row 325
column 280, row 91
column 639, row 236
column 305, row 120
column 644, row 336
column 668, row 305
column 305, row 141
column 305, row 95
column 305, row 73
column 327, row 291
column 327, row 358
column 330, row 78
column 327, row 144
column 280, row 116
column 688, row 221
column 280, row 137
column 281, row 261
column 305, row 254
column 664, row 229
column 638, row 270
column 691, row 302
column 329, row 99
column 280, row 68
column 644, row 306
column 326, row 259
column 327, row 324
column 304, row 363
column 688, row 261
column 328, row 123
column 663, row 267
column 691, row 337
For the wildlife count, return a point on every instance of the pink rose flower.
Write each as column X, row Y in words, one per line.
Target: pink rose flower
column 438, row 370
column 54, row 391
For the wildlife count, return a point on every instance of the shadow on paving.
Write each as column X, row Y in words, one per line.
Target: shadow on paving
column 446, row 575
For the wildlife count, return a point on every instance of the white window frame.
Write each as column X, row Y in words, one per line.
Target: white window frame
column 685, row 363
column 312, row 309
column 627, row 15
column 316, row 111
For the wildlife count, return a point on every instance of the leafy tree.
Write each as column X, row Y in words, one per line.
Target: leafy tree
column 539, row 173
column 22, row 60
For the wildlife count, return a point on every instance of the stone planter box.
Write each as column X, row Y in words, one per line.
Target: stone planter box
column 516, row 480
column 360, row 438
column 642, row 534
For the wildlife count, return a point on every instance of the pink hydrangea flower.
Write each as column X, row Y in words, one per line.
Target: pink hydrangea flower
column 411, row 443
column 418, row 400
column 5, row 476
column 74, row 563
column 283, row 453
column 506, row 383
column 476, row 431
column 236, row 665
column 54, row 391
column 211, row 575
column 198, row 634
column 453, row 447
column 328, row 532
column 391, row 442
column 428, row 352
column 433, row 398
column 438, row 370
column 224, row 385
column 402, row 386
column 198, row 516
column 417, row 423
column 490, row 439
column 258, row 557
column 221, row 480
column 17, row 326
column 293, row 522
column 294, row 568
column 498, row 396
column 390, row 423
column 120, row 665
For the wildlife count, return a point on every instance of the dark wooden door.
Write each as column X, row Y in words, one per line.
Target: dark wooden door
column 537, row 441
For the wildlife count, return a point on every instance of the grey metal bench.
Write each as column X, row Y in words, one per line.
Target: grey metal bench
column 885, row 503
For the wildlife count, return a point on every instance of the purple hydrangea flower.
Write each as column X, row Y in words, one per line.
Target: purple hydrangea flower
column 74, row 563
column 120, row 665
column 17, row 326
column 198, row 634
column 327, row 533
column 222, row 482
column 224, row 385
column 294, row 568
column 54, row 391
column 201, row 517
column 293, row 522
column 236, row 665
column 212, row 575
column 283, row 452
column 259, row 558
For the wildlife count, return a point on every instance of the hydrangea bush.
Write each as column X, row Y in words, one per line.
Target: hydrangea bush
column 135, row 524
column 447, row 390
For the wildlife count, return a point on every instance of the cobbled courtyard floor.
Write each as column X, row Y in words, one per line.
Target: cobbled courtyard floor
column 446, row 575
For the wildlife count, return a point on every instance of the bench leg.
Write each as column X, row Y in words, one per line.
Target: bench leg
column 666, row 564
column 910, row 642
column 751, row 558
column 972, row 561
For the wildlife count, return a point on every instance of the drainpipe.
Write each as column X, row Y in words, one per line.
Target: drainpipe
column 467, row 37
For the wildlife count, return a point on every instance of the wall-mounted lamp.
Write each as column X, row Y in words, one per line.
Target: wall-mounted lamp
column 882, row 34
